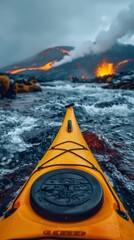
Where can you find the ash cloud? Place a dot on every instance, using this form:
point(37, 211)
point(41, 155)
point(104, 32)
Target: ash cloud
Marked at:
point(122, 25)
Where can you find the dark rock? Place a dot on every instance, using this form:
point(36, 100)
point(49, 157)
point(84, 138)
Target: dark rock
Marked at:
point(97, 145)
point(9, 87)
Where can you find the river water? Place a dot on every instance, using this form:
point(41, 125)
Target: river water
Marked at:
point(29, 122)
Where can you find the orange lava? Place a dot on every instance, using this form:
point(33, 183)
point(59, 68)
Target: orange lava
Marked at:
point(45, 67)
point(64, 51)
point(122, 62)
point(84, 77)
point(108, 68)
point(105, 68)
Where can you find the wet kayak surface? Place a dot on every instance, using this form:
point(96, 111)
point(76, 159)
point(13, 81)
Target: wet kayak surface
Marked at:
point(29, 123)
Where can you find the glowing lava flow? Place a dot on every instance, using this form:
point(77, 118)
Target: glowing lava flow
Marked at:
point(105, 68)
point(108, 68)
point(122, 62)
point(64, 51)
point(84, 77)
point(45, 67)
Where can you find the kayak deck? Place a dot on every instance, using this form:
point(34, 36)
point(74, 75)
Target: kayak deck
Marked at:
point(67, 195)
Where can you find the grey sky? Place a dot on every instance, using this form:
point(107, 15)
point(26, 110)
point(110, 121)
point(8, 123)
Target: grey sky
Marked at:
point(30, 26)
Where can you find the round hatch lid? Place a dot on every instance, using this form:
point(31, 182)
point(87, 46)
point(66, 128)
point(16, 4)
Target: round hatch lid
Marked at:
point(66, 195)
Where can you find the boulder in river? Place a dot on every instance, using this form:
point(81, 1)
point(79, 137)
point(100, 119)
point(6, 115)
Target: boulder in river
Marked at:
point(4, 85)
point(29, 86)
point(10, 87)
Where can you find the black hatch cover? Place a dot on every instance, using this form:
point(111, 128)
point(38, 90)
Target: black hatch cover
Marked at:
point(66, 195)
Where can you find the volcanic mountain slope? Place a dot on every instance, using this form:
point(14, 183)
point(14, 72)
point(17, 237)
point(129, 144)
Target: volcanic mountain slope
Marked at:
point(118, 58)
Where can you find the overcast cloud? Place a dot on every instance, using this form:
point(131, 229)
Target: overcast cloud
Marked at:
point(30, 26)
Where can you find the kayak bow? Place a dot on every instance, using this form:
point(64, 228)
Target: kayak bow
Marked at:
point(67, 196)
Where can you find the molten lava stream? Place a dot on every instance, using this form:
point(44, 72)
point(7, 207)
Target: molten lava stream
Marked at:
point(45, 67)
point(105, 68)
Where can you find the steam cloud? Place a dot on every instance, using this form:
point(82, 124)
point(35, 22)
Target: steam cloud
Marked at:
point(123, 25)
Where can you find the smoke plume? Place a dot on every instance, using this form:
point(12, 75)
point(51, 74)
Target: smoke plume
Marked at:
point(122, 25)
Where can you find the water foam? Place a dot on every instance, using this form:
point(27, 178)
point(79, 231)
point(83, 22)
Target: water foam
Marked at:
point(116, 110)
point(18, 125)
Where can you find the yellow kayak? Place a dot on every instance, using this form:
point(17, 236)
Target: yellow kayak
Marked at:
point(67, 196)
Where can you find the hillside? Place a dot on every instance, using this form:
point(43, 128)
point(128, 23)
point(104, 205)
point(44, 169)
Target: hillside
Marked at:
point(121, 58)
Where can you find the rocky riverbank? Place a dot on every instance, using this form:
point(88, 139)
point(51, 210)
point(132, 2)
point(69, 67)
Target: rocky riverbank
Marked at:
point(10, 86)
point(122, 80)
